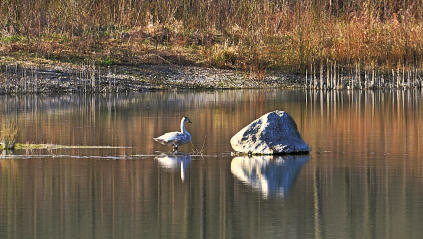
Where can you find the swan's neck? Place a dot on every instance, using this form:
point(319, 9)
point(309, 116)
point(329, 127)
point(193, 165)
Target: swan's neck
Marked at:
point(183, 129)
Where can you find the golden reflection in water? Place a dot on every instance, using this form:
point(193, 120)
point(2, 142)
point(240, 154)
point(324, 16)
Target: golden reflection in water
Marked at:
point(364, 178)
point(368, 154)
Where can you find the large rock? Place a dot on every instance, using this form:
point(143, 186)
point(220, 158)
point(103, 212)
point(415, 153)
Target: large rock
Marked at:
point(272, 133)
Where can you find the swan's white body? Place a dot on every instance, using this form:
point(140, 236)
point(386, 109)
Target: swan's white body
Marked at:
point(176, 138)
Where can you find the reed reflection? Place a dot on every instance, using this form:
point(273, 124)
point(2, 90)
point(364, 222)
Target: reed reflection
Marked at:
point(363, 179)
point(271, 175)
point(5, 152)
point(175, 162)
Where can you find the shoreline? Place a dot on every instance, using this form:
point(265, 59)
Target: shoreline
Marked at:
point(29, 78)
point(55, 78)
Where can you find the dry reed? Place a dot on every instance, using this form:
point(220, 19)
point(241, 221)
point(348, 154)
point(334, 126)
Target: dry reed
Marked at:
point(253, 35)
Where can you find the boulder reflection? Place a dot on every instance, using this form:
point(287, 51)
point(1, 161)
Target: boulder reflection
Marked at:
point(175, 162)
point(272, 175)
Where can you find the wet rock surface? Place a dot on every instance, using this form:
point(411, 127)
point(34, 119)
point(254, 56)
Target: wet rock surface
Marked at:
point(273, 133)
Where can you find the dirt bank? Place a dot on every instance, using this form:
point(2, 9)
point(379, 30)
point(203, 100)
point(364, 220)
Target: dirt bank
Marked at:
point(26, 77)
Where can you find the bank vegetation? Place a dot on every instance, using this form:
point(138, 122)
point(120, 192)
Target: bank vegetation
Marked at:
point(249, 35)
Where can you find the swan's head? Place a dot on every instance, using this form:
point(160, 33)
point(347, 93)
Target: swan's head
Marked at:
point(186, 120)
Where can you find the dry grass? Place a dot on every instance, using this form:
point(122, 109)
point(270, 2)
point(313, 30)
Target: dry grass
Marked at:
point(251, 35)
point(199, 151)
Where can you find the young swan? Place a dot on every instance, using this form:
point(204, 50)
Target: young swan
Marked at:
point(176, 138)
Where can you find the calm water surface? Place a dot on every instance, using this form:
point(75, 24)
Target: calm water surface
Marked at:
point(363, 178)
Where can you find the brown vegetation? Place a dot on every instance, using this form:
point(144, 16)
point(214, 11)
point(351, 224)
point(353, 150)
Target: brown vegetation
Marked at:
point(8, 135)
point(252, 35)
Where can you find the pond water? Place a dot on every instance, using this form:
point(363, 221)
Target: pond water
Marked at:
point(362, 179)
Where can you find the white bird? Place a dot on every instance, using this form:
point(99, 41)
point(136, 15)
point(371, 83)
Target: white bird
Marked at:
point(176, 138)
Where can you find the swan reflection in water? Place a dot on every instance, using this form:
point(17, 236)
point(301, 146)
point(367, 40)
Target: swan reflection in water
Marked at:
point(272, 175)
point(174, 162)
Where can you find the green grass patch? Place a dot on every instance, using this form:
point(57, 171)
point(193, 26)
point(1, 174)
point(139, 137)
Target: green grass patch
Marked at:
point(107, 62)
point(11, 39)
point(20, 146)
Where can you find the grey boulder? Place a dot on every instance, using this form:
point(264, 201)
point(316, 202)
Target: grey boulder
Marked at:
point(273, 133)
